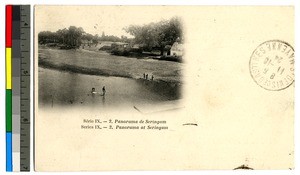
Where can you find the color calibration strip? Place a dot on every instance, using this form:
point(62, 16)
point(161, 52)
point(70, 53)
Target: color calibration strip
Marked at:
point(8, 56)
point(17, 88)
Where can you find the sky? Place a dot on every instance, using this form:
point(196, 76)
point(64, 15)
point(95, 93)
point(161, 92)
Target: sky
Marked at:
point(97, 19)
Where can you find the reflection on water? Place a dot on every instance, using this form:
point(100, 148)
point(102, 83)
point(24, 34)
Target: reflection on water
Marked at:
point(72, 89)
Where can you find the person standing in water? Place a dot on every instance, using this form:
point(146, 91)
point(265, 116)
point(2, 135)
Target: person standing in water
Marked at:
point(103, 90)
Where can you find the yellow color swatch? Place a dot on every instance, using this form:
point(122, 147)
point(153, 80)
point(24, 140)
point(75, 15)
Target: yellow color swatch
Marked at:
point(8, 68)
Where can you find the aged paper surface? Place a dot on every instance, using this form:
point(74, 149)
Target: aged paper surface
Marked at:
point(234, 108)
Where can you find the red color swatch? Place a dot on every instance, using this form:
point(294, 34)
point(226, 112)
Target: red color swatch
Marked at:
point(8, 41)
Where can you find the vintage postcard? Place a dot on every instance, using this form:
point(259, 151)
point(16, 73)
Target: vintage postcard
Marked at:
point(163, 88)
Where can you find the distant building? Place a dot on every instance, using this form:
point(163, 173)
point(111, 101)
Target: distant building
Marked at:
point(119, 45)
point(86, 43)
point(108, 45)
point(137, 46)
point(176, 49)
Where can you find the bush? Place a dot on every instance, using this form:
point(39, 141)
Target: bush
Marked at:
point(120, 51)
point(105, 48)
point(136, 50)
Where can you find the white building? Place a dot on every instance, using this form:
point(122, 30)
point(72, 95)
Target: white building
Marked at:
point(176, 49)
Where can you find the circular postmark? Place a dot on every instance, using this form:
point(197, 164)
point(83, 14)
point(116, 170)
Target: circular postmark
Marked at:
point(272, 65)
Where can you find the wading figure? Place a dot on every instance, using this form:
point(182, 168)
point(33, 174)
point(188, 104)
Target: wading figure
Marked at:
point(103, 90)
point(93, 91)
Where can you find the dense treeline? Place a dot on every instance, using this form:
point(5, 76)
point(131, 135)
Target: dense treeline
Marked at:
point(73, 37)
point(69, 38)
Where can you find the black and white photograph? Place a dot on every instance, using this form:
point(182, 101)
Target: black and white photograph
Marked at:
point(96, 59)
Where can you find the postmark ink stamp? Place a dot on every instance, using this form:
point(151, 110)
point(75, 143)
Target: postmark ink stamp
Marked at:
point(272, 65)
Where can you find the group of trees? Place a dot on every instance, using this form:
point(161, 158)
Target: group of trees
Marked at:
point(73, 37)
point(159, 35)
point(70, 37)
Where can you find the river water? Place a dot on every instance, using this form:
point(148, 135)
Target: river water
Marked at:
point(60, 88)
